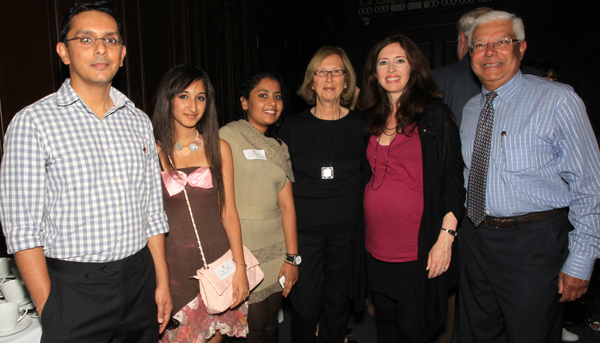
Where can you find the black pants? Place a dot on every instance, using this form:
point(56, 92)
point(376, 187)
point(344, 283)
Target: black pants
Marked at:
point(393, 291)
point(509, 281)
point(101, 302)
point(321, 293)
point(396, 322)
point(262, 320)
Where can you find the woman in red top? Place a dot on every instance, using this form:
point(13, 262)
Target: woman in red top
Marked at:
point(415, 196)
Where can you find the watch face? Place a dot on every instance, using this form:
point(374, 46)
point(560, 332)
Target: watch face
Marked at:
point(298, 259)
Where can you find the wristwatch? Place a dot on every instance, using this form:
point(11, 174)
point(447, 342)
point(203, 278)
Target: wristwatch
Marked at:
point(294, 260)
point(452, 232)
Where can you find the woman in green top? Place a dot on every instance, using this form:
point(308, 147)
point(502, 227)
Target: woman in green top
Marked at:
point(263, 193)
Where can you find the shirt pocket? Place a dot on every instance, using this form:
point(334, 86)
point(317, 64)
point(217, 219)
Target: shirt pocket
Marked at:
point(133, 158)
point(524, 153)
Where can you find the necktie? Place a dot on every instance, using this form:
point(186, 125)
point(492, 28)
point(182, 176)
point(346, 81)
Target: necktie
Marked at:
point(480, 162)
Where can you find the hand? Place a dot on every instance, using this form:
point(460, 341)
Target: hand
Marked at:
point(240, 286)
point(164, 303)
point(571, 287)
point(291, 277)
point(440, 254)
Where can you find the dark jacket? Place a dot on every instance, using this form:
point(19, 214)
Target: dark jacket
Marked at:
point(443, 192)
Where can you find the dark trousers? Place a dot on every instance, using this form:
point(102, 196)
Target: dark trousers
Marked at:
point(321, 293)
point(509, 281)
point(396, 322)
point(101, 302)
point(262, 320)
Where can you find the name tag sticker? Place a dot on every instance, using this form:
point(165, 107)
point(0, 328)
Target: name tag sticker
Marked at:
point(252, 154)
point(225, 269)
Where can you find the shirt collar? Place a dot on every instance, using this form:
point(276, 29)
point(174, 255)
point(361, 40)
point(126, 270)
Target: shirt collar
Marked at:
point(507, 90)
point(66, 96)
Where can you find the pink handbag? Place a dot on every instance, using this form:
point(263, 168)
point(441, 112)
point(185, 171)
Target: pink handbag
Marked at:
point(217, 294)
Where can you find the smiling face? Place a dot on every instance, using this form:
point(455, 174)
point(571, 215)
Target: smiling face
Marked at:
point(95, 65)
point(329, 88)
point(188, 106)
point(264, 105)
point(393, 70)
point(496, 66)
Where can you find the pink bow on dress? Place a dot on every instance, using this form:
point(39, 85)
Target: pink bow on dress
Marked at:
point(200, 177)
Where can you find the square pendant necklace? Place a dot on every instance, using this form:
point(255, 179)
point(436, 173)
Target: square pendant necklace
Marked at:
point(327, 172)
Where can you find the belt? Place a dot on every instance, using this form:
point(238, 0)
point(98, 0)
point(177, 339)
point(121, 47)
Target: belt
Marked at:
point(504, 222)
point(85, 267)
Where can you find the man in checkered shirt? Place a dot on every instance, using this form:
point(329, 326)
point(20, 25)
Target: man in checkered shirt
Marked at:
point(80, 196)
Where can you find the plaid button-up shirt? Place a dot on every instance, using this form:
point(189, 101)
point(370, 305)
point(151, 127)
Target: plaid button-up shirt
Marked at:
point(86, 189)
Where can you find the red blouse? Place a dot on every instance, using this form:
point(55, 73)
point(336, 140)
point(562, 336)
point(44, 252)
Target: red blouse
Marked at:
point(393, 209)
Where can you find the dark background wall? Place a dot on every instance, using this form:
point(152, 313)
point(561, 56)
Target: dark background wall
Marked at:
point(229, 38)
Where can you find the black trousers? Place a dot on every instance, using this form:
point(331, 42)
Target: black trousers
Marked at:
point(101, 302)
point(262, 320)
point(509, 281)
point(321, 293)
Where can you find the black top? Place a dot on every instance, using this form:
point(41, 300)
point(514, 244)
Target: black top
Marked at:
point(315, 143)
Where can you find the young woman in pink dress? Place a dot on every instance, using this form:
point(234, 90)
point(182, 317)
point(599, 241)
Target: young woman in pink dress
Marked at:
point(193, 157)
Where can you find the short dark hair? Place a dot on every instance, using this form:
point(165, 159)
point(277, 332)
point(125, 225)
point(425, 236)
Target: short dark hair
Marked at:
point(79, 7)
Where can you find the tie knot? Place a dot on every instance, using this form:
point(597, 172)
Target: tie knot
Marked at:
point(490, 96)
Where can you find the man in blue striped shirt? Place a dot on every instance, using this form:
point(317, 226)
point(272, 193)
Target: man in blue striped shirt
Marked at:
point(80, 197)
point(543, 180)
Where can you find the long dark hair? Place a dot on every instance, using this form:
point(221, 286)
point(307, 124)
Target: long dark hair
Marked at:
point(420, 91)
point(249, 83)
point(174, 82)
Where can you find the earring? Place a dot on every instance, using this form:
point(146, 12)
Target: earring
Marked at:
point(345, 86)
point(313, 88)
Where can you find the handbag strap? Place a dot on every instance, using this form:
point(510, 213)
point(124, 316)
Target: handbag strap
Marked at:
point(187, 200)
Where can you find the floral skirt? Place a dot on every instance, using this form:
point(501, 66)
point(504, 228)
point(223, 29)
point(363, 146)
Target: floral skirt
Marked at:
point(197, 326)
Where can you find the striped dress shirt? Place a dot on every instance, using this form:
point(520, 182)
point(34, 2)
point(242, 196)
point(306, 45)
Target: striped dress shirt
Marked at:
point(85, 189)
point(544, 155)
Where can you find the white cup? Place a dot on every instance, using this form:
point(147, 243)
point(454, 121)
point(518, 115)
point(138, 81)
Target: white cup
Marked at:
point(10, 315)
point(16, 272)
point(5, 266)
point(13, 291)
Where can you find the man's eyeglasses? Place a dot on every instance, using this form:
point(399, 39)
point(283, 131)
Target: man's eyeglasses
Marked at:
point(499, 45)
point(335, 72)
point(88, 41)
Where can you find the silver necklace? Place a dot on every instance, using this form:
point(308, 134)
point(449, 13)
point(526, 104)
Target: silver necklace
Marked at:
point(198, 142)
point(327, 172)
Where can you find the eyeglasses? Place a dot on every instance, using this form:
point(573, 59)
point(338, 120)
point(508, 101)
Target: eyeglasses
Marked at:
point(88, 41)
point(499, 45)
point(335, 72)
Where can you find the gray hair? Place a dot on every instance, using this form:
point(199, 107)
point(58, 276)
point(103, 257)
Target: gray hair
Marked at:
point(466, 21)
point(517, 23)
